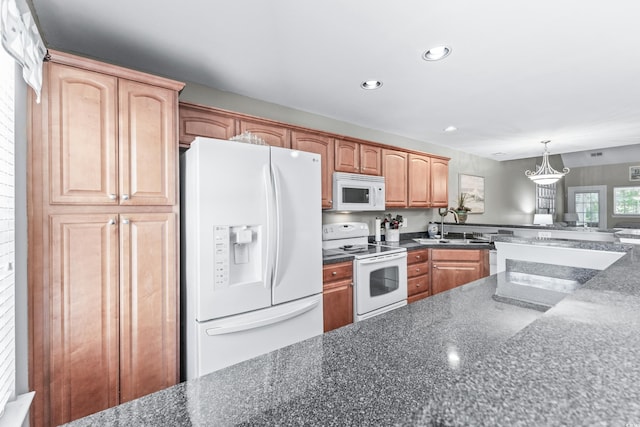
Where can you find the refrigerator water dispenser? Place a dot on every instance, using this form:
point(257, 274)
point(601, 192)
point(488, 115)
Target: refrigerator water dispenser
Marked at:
point(237, 256)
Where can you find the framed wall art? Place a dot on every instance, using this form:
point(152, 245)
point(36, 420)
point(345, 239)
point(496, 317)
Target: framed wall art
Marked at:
point(472, 187)
point(634, 173)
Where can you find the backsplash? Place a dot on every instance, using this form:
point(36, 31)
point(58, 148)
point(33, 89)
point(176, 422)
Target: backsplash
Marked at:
point(416, 219)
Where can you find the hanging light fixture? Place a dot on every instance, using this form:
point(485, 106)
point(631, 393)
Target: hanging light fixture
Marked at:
point(546, 174)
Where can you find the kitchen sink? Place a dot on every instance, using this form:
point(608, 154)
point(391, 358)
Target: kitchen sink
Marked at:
point(451, 241)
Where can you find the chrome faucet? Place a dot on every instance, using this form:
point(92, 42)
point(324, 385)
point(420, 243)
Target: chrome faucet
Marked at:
point(444, 212)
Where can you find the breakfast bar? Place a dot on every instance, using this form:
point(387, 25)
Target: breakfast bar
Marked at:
point(461, 357)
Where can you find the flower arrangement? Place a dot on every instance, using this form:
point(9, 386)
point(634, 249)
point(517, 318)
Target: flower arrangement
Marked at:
point(461, 207)
point(391, 222)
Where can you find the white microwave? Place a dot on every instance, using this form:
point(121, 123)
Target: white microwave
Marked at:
point(357, 192)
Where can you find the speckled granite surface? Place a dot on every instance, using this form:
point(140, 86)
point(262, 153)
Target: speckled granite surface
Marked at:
point(457, 358)
point(375, 372)
point(579, 244)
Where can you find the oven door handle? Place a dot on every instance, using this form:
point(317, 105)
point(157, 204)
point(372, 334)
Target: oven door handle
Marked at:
point(382, 258)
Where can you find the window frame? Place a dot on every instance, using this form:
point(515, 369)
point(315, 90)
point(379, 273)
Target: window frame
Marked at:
point(613, 195)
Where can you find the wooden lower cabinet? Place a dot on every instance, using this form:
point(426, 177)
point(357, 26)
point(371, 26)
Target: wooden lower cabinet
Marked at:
point(112, 310)
point(337, 295)
point(418, 275)
point(451, 268)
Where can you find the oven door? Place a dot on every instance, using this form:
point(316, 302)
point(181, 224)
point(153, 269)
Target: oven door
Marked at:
point(379, 282)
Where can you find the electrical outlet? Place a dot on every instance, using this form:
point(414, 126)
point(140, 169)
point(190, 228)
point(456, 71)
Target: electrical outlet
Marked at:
point(404, 222)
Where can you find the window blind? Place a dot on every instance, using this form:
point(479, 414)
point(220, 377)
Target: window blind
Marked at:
point(7, 230)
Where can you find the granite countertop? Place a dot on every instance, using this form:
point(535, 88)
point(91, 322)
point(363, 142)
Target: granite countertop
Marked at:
point(457, 358)
point(568, 243)
point(407, 242)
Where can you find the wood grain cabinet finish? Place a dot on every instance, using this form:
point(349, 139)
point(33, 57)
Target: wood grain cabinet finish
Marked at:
point(201, 121)
point(394, 169)
point(451, 268)
point(337, 295)
point(418, 275)
point(86, 109)
point(276, 136)
point(322, 145)
point(354, 157)
point(419, 181)
point(439, 182)
point(103, 238)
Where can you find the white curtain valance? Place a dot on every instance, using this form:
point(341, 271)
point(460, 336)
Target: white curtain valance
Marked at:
point(21, 39)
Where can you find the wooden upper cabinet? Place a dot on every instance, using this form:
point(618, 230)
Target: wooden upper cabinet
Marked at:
point(354, 157)
point(201, 121)
point(323, 145)
point(439, 182)
point(148, 152)
point(276, 136)
point(419, 180)
point(394, 169)
point(148, 339)
point(82, 146)
point(370, 159)
point(113, 141)
point(347, 156)
point(82, 316)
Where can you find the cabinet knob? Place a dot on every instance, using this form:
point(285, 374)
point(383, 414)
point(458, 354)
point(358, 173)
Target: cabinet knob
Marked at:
point(125, 221)
point(417, 285)
point(417, 256)
point(417, 270)
point(111, 221)
point(112, 196)
point(125, 197)
point(334, 273)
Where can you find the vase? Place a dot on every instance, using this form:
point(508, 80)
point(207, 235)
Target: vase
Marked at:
point(392, 235)
point(462, 216)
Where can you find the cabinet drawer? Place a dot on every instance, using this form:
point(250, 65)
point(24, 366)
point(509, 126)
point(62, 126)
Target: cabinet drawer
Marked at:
point(339, 271)
point(417, 297)
point(418, 284)
point(420, 255)
point(456, 254)
point(414, 270)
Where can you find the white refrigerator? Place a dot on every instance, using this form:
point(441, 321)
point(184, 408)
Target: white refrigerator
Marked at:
point(252, 268)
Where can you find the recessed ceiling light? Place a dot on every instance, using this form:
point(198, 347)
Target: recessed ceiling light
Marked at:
point(450, 129)
point(499, 153)
point(371, 84)
point(436, 53)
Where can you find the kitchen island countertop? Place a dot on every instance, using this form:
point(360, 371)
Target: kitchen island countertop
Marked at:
point(457, 358)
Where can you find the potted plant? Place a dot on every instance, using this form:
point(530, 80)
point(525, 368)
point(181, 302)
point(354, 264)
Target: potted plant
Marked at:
point(392, 227)
point(461, 210)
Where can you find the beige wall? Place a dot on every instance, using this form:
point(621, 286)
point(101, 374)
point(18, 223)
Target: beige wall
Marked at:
point(509, 194)
point(609, 175)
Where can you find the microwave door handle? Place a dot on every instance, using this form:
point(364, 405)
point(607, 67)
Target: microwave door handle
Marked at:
point(374, 201)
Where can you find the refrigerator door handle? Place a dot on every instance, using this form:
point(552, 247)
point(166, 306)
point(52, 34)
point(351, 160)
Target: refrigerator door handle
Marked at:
point(244, 325)
point(271, 240)
point(278, 227)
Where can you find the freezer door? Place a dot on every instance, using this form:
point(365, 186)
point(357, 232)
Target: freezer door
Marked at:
point(298, 262)
point(224, 342)
point(227, 228)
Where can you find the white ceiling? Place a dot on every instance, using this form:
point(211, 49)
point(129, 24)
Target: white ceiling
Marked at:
point(519, 73)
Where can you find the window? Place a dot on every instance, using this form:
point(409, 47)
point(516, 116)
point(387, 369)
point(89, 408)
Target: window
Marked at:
point(626, 201)
point(590, 203)
point(7, 230)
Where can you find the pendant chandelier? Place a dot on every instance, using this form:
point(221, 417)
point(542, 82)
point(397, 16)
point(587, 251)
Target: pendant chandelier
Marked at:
point(545, 174)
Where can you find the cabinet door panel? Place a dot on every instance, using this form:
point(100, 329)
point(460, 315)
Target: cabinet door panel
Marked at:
point(370, 160)
point(148, 149)
point(83, 315)
point(337, 300)
point(148, 304)
point(347, 156)
point(321, 145)
point(419, 181)
point(394, 169)
point(276, 136)
point(448, 275)
point(439, 183)
point(83, 138)
point(198, 122)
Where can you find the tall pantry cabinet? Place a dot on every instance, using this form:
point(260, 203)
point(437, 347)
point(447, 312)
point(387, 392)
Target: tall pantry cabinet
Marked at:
point(103, 238)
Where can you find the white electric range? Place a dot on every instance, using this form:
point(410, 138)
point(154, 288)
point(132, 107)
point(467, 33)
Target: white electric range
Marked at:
point(379, 270)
